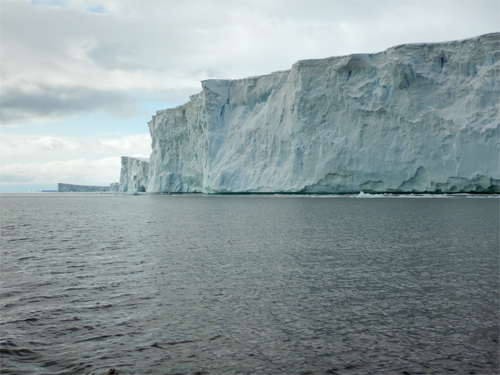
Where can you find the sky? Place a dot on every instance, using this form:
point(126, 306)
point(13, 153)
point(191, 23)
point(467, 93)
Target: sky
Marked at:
point(80, 79)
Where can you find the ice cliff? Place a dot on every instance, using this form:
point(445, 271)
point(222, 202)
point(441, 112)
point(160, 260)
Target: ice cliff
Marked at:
point(134, 174)
point(414, 118)
point(66, 188)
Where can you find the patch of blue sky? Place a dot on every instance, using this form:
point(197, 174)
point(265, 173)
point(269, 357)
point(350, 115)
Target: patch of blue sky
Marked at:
point(98, 9)
point(26, 188)
point(59, 3)
point(95, 124)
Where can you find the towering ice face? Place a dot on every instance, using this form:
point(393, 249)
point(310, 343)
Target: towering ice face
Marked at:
point(134, 174)
point(415, 118)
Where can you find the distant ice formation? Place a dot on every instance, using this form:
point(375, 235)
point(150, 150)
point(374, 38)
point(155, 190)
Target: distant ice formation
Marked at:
point(134, 174)
point(414, 118)
point(65, 188)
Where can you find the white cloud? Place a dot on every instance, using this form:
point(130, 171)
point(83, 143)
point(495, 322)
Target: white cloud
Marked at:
point(76, 171)
point(85, 160)
point(19, 146)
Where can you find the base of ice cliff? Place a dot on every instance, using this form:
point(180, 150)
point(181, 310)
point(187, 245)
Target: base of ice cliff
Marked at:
point(414, 118)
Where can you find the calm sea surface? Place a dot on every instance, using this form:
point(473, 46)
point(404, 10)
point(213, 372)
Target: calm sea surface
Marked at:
point(248, 284)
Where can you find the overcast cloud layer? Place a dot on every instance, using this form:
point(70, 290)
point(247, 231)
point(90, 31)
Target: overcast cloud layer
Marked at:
point(82, 160)
point(70, 58)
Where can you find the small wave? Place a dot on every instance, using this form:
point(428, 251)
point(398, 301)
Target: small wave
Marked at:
point(19, 352)
point(28, 258)
point(18, 359)
point(20, 239)
point(11, 293)
point(97, 338)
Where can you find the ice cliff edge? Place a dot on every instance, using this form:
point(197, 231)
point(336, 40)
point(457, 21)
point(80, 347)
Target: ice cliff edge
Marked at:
point(414, 118)
point(134, 174)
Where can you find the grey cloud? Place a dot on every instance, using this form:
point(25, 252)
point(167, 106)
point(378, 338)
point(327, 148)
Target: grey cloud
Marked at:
point(54, 103)
point(161, 47)
point(114, 55)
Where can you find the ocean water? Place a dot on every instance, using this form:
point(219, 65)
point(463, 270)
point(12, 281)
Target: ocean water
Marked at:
point(157, 284)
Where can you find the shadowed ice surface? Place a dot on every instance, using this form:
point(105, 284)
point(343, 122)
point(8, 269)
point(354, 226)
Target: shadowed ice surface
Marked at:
point(248, 285)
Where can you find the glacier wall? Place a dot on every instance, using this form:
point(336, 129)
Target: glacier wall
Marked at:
point(414, 118)
point(66, 188)
point(134, 174)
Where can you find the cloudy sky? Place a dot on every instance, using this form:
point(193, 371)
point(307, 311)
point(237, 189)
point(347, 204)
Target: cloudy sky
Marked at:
point(80, 79)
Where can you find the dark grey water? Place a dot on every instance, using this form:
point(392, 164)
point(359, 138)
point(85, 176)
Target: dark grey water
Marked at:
point(248, 285)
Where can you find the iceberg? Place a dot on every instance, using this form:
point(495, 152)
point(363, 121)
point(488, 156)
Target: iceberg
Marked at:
point(416, 118)
point(72, 188)
point(134, 174)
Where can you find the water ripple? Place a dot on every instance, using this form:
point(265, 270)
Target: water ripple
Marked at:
point(249, 285)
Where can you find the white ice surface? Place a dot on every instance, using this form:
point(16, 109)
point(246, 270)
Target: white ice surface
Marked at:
point(134, 174)
point(414, 118)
